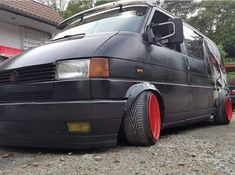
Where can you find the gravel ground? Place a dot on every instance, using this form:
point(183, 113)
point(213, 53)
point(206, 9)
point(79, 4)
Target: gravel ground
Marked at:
point(198, 149)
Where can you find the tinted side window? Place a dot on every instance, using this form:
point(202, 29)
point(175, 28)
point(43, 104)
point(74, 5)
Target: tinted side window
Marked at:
point(193, 43)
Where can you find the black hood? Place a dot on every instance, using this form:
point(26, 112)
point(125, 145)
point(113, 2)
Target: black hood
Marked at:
point(75, 47)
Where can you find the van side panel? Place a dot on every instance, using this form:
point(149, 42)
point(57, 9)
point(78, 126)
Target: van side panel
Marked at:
point(200, 87)
point(165, 68)
point(169, 73)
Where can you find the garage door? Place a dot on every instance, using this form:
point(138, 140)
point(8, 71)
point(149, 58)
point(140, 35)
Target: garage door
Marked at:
point(33, 38)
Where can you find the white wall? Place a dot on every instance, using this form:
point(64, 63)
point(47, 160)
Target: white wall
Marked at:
point(10, 35)
point(33, 38)
point(21, 37)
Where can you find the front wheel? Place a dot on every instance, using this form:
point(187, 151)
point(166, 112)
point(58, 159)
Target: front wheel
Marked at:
point(142, 121)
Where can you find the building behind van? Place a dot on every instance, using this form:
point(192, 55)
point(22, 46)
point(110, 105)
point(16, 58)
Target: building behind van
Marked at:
point(25, 24)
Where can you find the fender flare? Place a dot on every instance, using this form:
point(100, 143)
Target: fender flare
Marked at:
point(137, 89)
point(222, 94)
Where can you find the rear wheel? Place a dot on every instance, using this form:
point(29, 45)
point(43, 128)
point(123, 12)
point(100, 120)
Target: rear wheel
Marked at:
point(142, 121)
point(224, 112)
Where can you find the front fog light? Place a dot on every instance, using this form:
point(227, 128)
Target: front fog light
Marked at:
point(79, 127)
point(72, 69)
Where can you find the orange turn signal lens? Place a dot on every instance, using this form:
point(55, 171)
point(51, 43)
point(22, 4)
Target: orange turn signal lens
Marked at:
point(99, 68)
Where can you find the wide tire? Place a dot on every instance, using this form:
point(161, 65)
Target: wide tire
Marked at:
point(142, 121)
point(224, 111)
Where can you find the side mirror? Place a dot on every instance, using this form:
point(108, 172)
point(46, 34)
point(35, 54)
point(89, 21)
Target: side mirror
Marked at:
point(178, 37)
point(172, 30)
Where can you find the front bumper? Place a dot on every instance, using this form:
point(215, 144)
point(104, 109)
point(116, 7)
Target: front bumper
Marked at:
point(43, 124)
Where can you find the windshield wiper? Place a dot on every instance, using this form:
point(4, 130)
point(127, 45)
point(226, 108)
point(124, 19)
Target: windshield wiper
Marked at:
point(80, 35)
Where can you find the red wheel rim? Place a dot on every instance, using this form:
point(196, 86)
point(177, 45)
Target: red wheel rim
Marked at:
point(154, 117)
point(228, 108)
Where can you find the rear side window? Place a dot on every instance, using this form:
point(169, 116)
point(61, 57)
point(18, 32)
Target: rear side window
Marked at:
point(193, 43)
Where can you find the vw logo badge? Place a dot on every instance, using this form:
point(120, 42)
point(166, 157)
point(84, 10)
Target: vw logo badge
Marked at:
point(14, 77)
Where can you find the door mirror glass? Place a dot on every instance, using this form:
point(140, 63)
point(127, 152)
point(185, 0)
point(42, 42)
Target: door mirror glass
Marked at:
point(171, 30)
point(165, 29)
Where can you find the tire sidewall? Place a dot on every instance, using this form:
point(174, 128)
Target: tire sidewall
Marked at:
point(221, 115)
point(136, 122)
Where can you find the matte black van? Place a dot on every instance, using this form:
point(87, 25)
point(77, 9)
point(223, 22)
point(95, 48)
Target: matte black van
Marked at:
point(125, 69)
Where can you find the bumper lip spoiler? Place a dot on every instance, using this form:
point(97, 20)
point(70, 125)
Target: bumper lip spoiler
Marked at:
point(61, 142)
point(43, 124)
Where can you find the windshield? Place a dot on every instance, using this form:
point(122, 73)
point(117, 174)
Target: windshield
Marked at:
point(128, 19)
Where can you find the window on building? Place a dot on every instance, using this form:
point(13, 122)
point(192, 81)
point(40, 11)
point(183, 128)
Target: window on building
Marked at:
point(33, 38)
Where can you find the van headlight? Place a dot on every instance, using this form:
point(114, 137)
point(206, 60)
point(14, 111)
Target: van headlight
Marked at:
point(82, 68)
point(70, 69)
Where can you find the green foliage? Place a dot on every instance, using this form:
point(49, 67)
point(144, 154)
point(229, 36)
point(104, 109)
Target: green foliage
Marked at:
point(224, 55)
point(180, 8)
point(100, 2)
point(76, 6)
point(222, 52)
point(230, 75)
point(216, 19)
point(58, 5)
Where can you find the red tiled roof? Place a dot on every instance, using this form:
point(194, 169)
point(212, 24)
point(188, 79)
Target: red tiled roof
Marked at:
point(33, 10)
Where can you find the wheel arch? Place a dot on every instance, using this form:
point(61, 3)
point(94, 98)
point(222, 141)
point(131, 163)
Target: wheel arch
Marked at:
point(136, 89)
point(223, 113)
point(222, 94)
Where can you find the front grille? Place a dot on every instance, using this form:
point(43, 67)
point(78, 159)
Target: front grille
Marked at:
point(26, 96)
point(30, 74)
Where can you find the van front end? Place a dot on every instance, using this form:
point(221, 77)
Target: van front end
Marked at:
point(63, 94)
point(51, 106)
